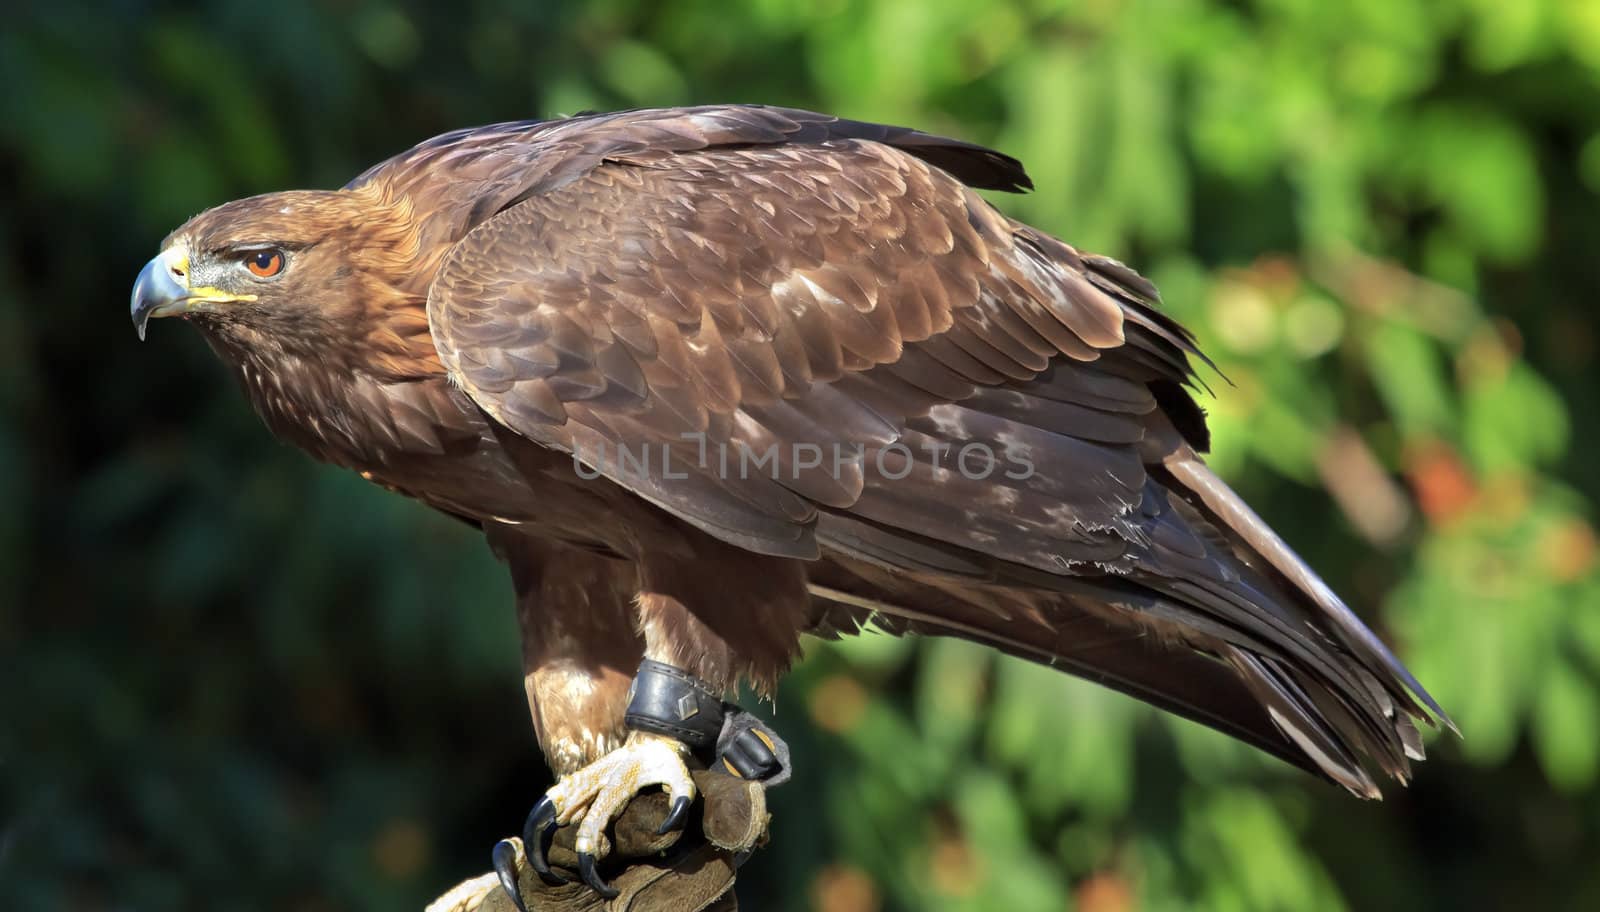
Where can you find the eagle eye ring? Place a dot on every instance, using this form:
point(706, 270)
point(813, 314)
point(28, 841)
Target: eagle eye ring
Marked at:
point(264, 264)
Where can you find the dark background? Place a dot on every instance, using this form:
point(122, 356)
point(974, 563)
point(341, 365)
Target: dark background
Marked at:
point(233, 679)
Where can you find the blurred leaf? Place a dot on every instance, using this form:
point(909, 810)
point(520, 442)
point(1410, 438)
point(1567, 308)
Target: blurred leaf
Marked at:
point(642, 75)
point(994, 823)
point(1481, 169)
point(1410, 377)
point(1563, 724)
point(1260, 863)
point(1514, 422)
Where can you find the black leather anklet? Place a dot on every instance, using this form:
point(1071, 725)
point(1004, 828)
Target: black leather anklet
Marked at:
point(669, 701)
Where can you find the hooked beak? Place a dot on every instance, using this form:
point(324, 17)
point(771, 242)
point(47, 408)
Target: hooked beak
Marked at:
point(163, 290)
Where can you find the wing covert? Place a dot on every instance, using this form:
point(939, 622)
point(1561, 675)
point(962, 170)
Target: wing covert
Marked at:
point(782, 300)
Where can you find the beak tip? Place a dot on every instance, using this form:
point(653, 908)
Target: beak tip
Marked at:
point(141, 318)
point(154, 294)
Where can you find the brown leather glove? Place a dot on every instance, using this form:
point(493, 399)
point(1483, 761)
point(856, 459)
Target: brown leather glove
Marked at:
point(692, 870)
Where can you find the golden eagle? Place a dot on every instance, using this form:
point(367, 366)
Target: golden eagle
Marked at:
point(712, 378)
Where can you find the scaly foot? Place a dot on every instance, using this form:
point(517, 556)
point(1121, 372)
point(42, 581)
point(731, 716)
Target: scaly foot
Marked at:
point(598, 793)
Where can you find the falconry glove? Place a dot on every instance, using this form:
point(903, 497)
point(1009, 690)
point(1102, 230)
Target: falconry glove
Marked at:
point(692, 870)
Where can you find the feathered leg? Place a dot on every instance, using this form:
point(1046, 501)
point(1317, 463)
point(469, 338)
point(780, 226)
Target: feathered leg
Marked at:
point(702, 625)
point(579, 652)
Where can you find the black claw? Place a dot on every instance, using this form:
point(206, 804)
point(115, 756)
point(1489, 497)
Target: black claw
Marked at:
point(537, 831)
point(587, 872)
point(505, 866)
point(675, 817)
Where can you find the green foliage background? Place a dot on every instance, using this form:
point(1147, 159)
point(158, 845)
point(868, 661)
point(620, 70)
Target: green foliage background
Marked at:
point(232, 679)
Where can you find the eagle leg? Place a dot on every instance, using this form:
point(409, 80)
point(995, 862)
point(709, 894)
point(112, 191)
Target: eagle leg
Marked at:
point(583, 616)
point(671, 717)
point(670, 714)
point(593, 796)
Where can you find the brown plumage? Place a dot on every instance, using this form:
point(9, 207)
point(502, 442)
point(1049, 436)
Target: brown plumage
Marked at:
point(501, 321)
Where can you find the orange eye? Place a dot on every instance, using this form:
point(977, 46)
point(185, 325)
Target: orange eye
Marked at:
point(264, 264)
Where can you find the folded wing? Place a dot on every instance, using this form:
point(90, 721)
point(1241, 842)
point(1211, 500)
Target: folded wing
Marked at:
point(812, 338)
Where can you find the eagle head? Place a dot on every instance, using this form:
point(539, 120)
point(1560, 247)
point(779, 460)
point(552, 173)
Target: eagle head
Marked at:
point(325, 276)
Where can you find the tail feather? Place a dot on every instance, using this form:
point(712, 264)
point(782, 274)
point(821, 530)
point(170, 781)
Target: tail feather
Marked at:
point(1193, 622)
point(1177, 680)
point(1297, 718)
point(1252, 533)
